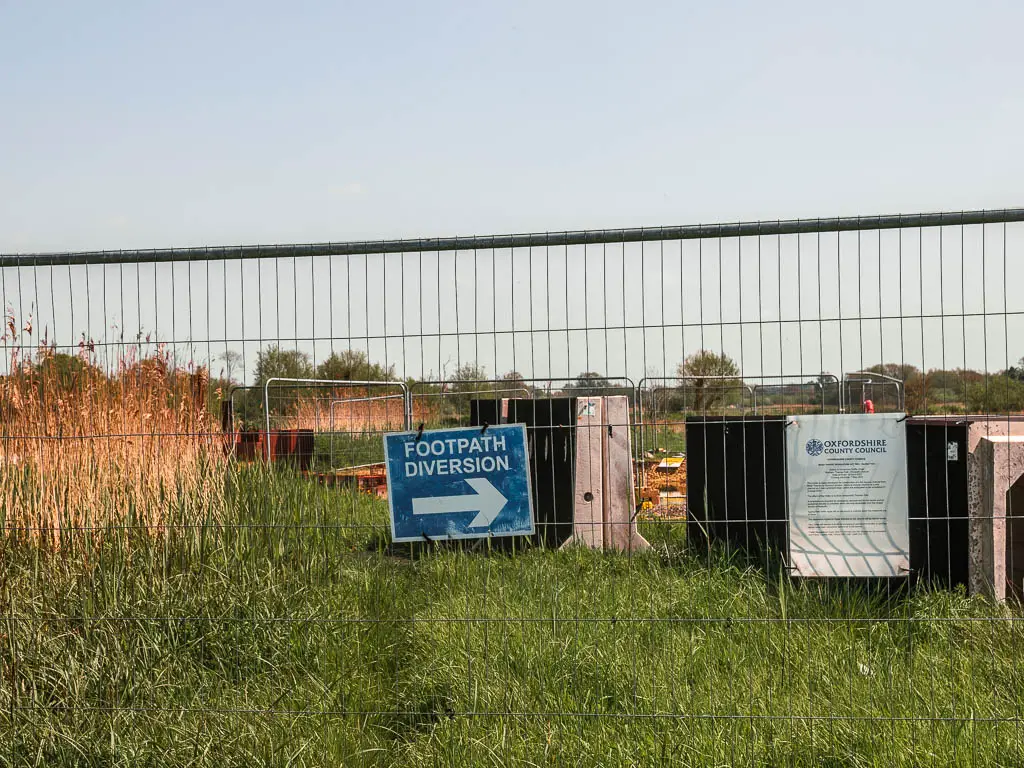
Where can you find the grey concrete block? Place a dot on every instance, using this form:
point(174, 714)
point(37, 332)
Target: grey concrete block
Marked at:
point(996, 549)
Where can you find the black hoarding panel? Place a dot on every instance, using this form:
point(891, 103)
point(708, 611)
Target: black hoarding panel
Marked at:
point(937, 496)
point(550, 430)
point(736, 490)
point(736, 483)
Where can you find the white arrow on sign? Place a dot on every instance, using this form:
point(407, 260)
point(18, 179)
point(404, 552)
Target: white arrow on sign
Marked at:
point(487, 502)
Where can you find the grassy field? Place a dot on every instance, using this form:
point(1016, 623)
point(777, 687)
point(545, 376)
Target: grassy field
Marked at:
point(281, 630)
point(665, 438)
point(344, 449)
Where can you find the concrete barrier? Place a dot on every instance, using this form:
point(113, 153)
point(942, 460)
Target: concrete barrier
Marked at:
point(996, 526)
point(603, 511)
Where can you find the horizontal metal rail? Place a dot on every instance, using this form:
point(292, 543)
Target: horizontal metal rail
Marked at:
point(529, 240)
point(522, 390)
point(607, 383)
point(329, 383)
point(885, 379)
point(652, 384)
point(403, 396)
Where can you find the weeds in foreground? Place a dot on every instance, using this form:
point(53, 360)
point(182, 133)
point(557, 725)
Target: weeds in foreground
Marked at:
point(284, 632)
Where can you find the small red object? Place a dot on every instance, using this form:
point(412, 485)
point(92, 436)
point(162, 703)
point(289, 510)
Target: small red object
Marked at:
point(869, 407)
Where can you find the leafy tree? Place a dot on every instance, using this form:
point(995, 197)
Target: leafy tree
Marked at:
point(66, 371)
point(469, 372)
point(353, 365)
point(954, 379)
point(825, 391)
point(997, 393)
point(469, 377)
point(901, 371)
point(274, 362)
point(882, 392)
point(590, 384)
point(467, 382)
point(1016, 372)
point(713, 378)
point(945, 390)
point(513, 384)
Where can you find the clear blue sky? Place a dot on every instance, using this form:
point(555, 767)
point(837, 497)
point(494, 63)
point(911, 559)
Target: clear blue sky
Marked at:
point(172, 124)
point(150, 124)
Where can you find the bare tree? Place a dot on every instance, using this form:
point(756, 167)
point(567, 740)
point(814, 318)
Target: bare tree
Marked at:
point(232, 360)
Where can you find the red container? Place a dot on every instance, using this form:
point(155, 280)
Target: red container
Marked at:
point(249, 446)
point(292, 445)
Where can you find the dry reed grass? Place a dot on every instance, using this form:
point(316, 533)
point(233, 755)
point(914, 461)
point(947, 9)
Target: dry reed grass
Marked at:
point(84, 450)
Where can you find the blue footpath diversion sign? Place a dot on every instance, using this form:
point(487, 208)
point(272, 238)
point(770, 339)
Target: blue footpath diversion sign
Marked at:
point(462, 483)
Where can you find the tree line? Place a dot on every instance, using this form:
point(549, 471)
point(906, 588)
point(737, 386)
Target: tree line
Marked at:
point(703, 381)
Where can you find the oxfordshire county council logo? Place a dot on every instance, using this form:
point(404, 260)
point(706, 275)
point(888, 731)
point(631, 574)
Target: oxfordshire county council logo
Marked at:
point(815, 447)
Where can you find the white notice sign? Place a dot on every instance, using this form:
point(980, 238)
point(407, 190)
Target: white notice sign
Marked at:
point(847, 478)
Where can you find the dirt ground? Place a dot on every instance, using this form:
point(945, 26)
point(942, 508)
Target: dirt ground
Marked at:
point(663, 480)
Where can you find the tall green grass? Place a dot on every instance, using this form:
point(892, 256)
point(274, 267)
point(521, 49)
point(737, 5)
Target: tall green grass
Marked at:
point(288, 632)
point(347, 449)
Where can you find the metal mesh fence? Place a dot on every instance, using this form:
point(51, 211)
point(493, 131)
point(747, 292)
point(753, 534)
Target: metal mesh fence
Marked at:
point(196, 565)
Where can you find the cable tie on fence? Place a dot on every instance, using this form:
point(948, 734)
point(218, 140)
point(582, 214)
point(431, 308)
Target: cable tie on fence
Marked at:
point(486, 425)
point(426, 538)
point(419, 433)
point(610, 434)
point(905, 417)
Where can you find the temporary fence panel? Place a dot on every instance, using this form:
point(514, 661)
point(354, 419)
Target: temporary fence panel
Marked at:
point(165, 601)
